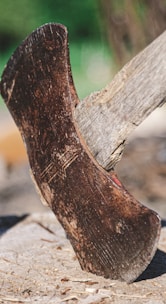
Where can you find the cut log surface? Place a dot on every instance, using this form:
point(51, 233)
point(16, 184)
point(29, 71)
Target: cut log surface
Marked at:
point(107, 118)
point(38, 265)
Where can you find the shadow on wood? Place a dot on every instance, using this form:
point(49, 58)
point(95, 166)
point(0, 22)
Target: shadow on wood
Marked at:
point(158, 265)
point(163, 223)
point(7, 222)
point(156, 268)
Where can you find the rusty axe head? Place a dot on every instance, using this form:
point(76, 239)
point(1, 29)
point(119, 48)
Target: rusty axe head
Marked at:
point(112, 234)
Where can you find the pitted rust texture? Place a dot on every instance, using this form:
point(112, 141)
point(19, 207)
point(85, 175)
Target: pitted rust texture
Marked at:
point(112, 234)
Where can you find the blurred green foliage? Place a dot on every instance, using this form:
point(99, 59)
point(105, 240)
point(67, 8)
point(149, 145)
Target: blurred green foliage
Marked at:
point(20, 17)
point(127, 26)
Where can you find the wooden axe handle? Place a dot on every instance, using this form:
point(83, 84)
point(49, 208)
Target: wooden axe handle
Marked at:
point(106, 118)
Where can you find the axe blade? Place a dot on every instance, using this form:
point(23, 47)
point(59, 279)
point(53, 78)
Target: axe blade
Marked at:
point(112, 234)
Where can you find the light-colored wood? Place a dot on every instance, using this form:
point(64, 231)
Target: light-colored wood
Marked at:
point(105, 119)
point(38, 265)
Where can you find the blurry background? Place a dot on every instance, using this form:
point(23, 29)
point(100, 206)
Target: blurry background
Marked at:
point(103, 36)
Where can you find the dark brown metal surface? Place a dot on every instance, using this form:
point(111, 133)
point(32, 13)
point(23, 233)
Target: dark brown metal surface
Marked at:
point(112, 234)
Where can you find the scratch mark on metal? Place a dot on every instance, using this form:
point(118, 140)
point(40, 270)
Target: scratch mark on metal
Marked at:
point(10, 90)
